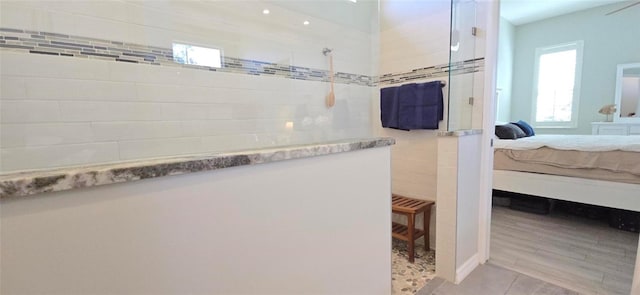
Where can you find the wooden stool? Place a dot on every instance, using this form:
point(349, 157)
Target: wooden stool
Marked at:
point(410, 207)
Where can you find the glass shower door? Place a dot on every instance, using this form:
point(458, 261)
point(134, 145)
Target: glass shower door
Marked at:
point(462, 64)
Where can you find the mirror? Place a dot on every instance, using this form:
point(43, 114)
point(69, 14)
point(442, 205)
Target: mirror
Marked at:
point(627, 93)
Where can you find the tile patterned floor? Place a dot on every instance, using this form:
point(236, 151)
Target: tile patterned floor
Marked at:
point(408, 278)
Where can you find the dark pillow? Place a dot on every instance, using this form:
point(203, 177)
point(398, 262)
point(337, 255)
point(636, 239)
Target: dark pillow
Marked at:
point(528, 130)
point(504, 132)
point(509, 131)
point(519, 132)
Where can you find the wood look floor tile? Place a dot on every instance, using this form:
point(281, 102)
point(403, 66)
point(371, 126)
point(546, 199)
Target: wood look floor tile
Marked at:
point(490, 279)
point(526, 285)
point(572, 252)
point(486, 279)
point(545, 276)
point(523, 243)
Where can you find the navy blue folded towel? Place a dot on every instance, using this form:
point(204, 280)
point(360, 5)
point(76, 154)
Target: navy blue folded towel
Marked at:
point(412, 106)
point(421, 105)
point(389, 107)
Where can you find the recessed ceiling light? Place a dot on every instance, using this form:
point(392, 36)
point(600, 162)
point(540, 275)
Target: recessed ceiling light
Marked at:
point(266, 11)
point(306, 23)
point(354, 1)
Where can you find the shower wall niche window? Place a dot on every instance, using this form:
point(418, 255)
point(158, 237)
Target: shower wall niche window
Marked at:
point(197, 55)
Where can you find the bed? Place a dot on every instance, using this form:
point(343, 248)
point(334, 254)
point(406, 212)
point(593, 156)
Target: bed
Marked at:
point(591, 169)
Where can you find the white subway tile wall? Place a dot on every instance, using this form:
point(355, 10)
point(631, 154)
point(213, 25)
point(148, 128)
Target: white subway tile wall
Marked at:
point(417, 42)
point(136, 149)
point(30, 111)
point(117, 131)
point(59, 155)
point(20, 135)
point(79, 96)
point(152, 120)
point(59, 111)
point(238, 27)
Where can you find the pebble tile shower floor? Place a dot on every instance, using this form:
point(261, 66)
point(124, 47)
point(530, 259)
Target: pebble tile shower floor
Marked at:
point(408, 278)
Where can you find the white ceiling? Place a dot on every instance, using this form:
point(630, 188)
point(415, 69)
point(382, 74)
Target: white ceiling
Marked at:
point(396, 12)
point(520, 12)
point(356, 15)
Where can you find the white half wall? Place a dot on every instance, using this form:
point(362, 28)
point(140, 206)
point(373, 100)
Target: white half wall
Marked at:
point(446, 215)
point(317, 225)
point(468, 201)
point(458, 202)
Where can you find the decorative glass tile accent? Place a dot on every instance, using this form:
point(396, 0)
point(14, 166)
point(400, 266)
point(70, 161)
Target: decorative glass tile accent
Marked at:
point(462, 67)
point(86, 47)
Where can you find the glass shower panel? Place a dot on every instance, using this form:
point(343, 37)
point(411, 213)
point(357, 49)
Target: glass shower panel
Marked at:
point(461, 60)
point(89, 82)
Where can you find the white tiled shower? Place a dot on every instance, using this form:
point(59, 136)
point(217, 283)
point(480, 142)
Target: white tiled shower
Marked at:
point(75, 110)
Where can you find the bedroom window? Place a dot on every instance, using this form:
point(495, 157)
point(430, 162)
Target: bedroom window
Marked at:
point(556, 90)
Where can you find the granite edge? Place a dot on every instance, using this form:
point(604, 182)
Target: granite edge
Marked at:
point(460, 133)
point(22, 184)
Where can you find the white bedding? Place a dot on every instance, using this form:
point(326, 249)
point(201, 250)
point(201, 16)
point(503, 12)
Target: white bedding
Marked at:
point(587, 143)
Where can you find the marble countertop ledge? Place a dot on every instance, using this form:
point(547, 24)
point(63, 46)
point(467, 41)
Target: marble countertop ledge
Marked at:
point(23, 184)
point(460, 133)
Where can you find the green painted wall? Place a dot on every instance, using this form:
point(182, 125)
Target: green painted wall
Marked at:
point(608, 41)
point(505, 70)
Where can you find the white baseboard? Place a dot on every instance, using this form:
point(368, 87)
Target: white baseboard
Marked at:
point(466, 268)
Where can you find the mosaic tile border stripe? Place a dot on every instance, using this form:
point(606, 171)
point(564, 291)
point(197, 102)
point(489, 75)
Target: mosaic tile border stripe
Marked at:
point(36, 42)
point(462, 67)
